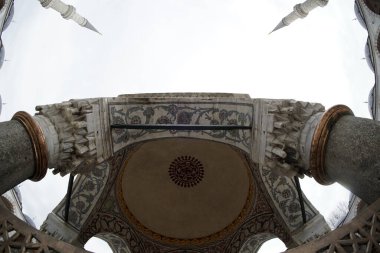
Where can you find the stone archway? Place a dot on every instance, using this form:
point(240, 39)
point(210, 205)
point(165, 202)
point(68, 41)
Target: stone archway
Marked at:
point(254, 243)
point(116, 243)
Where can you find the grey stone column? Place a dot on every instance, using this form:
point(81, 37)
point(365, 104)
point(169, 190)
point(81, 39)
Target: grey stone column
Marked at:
point(353, 156)
point(345, 149)
point(23, 151)
point(16, 155)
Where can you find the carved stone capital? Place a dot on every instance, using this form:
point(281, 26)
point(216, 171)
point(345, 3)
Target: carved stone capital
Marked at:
point(73, 124)
point(278, 133)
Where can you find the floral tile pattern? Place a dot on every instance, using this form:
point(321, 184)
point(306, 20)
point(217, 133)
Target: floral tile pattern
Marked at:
point(184, 113)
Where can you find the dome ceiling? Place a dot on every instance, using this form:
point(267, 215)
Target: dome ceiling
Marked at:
point(185, 188)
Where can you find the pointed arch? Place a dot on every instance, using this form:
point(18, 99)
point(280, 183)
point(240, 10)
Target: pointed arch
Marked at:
point(255, 242)
point(116, 244)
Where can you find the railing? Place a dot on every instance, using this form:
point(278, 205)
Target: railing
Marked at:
point(18, 236)
point(362, 234)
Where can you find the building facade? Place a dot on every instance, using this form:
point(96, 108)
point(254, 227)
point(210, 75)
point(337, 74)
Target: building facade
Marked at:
point(6, 14)
point(190, 172)
point(368, 15)
point(193, 172)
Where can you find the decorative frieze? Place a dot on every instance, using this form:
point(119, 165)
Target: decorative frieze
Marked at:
point(210, 111)
point(86, 192)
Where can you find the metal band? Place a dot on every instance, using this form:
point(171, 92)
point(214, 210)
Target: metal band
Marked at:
point(319, 142)
point(68, 12)
point(301, 13)
point(38, 142)
point(180, 127)
point(45, 3)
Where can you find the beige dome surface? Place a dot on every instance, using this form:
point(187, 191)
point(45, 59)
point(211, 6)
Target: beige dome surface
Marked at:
point(185, 188)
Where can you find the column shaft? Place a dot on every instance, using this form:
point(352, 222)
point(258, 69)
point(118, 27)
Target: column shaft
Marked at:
point(16, 155)
point(352, 156)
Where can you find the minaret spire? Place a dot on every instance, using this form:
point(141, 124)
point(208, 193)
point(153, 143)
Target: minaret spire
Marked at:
point(68, 12)
point(300, 11)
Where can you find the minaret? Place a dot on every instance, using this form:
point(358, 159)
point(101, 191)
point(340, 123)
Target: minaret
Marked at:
point(300, 11)
point(68, 12)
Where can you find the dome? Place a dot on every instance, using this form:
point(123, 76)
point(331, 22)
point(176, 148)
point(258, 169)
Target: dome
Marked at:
point(29, 221)
point(368, 55)
point(18, 193)
point(169, 194)
point(373, 5)
point(2, 53)
point(371, 102)
point(359, 15)
point(1, 104)
point(9, 17)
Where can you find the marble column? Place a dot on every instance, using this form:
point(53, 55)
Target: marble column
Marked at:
point(23, 151)
point(346, 149)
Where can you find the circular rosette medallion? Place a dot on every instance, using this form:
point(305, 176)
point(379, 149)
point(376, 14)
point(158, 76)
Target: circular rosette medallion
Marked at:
point(186, 171)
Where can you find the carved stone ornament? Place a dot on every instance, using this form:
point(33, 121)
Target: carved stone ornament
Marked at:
point(77, 149)
point(279, 127)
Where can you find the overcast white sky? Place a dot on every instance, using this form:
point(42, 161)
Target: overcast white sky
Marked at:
point(182, 46)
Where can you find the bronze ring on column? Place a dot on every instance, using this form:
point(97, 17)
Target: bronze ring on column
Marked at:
point(319, 142)
point(38, 142)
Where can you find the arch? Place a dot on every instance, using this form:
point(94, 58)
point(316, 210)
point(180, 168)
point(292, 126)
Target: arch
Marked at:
point(371, 102)
point(97, 245)
point(273, 245)
point(369, 54)
point(117, 244)
point(254, 243)
point(373, 5)
point(87, 189)
point(2, 53)
point(108, 242)
point(378, 41)
point(359, 15)
point(9, 16)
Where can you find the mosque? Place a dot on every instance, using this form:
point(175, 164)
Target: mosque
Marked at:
point(194, 172)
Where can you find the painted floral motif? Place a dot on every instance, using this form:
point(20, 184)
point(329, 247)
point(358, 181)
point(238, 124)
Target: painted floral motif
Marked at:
point(284, 194)
point(184, 117)
point(87, 190)
point(194, 114)
point(135, 120)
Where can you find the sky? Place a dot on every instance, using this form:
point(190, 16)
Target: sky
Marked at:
point(183, 46)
